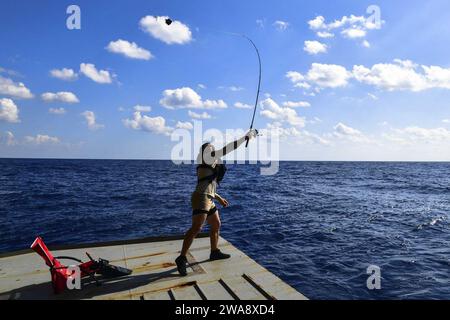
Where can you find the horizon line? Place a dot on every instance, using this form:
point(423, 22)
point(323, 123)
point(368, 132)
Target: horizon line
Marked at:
point(236, 161)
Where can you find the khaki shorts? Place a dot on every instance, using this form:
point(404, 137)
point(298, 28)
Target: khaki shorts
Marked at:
point(202, 204)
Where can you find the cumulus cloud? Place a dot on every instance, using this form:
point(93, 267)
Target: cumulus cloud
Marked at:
point(352, 27)
point(58, 111)
point(9, 111)
point(354, 33)
point(271, 110)
point(345, 132)
point(66, 97)
point(298, 104)
point(64, 74)
point(187, 98)
point(294, 134)
point(199, 116)
point(99, 76)
point(91, 120)
point(315, 47)
point(319, 23)
point(413, 135)
point(241, 105)
point(281, 25)
point(42, 139)
point(14, 89)
point(176, 33)
point(328, 75)
point(129, 49)
point(150, 124)
point(403, 75)
point(294, 76)
point(142, 108)
point(184, 125)
point(325, 34)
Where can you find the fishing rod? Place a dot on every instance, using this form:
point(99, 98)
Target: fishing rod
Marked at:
point(259, 79)
point(169, 22)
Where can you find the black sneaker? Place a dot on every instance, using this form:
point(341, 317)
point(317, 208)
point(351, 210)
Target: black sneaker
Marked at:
point(218, 255)
point(181, 265)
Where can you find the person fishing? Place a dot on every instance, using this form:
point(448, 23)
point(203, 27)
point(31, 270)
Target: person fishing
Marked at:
point(210, 172)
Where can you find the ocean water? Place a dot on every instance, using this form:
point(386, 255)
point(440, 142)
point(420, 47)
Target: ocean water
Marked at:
point(317, 225)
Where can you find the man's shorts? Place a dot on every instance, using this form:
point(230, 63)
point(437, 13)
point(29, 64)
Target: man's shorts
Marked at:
point(202, 204)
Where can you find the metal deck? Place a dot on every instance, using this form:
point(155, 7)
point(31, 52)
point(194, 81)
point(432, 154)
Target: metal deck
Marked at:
point(154, 277)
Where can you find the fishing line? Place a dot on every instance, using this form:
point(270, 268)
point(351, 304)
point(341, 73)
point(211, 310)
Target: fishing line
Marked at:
point(258, 91)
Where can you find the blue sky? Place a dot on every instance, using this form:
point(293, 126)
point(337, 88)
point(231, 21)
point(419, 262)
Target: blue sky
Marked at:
point(336, 85)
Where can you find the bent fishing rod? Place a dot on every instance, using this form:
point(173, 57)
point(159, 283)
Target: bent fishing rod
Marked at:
point(169, 22)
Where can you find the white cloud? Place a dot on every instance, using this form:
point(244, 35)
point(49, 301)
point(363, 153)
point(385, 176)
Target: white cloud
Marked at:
point(437, 77)
point(67, 97)
point(200, 116)
point(58, 111)
point(176, 33)
point(298, 104)
point(345, 132)
point(271, 110)
point(353, 21)
point(446, 121)
point(187, 98)
point(241, 105)
point(413, 135)
point(129, 49)
point(14, 89)
point(184, 125)
point(142, 108)
point(328, 75)
point(317, 23)
point(366, 44)
point(99, 76)
point(281, 25)
point(91, 120)
point(401, 75)
point(235, 88)
point(398, 76)
point(294, 76)
point(9, 112)
point(352, 27)
point(325, 34)
point(303, 85)
point(293, 134)
point(64, 74)
point(354, 33)
point(41, 139)
point(143, 122)
point(201, 86)
point(315, 47)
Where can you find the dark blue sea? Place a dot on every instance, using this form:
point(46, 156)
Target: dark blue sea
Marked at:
point(317, 225)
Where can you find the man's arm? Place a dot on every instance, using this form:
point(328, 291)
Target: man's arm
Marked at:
point(235, 144)
point(221, 200)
